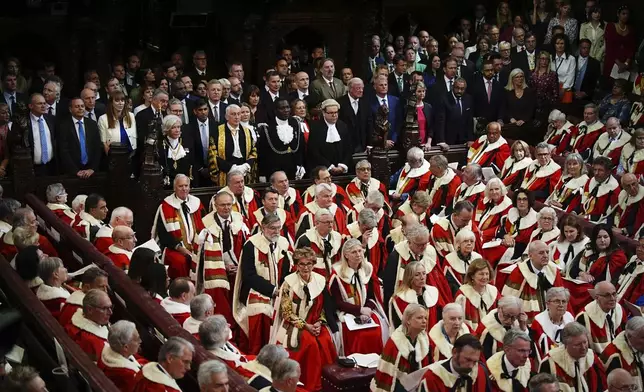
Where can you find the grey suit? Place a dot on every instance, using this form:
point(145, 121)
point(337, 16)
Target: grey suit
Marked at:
point(322, 90)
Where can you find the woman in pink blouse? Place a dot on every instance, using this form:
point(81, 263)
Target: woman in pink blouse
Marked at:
point(425, 117)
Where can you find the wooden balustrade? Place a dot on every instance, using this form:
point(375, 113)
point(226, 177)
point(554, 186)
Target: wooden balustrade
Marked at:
point(38, 337)
point(130, 300)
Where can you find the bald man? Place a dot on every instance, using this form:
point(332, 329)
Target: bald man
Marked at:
point(629, 213)
point(611, 143)
point(491, 149)
point(302, 82)
point(120, 252)
point(603, 317)
point(621, 354)
point(621, 380)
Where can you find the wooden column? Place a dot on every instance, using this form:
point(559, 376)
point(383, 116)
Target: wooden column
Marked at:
point(24, 179)
point(151, 191)
point(120, 185)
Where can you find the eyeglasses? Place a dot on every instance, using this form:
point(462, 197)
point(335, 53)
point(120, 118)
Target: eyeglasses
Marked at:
point(305, 265)
point(628, 388)
point(558, 301)
point(105, 309)
point(608, 295)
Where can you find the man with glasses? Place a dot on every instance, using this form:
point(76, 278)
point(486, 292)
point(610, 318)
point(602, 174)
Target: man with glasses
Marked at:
point(121, 216)
point(175, 360)
point(604, 317)
point(628, 215)
point(531, 279)
point(321, 175)
point(329, 141)
point(324, 241)
point(93, 278)
point(511, 368)
point(323, 200)
point(509, 314)
point(575, 366)
point(89, 328)
point(542, 175)
point(585, 134)
point(629, 287)
point(620, 380)
point(363, 183)
point(601, 192)
point(625, 352)
point(265, 261)
point(444, 231)
point(120, 252)
point(610, 143)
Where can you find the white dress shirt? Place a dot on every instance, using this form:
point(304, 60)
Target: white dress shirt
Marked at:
point(447, 84)
point(302, 94)
point(35, 131)
point(53, 107)
point(565, 66)
point(214, 108)
point(383, 101)
point(354, 104)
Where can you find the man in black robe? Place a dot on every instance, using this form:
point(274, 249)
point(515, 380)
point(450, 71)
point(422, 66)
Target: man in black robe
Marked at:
point(330, 142)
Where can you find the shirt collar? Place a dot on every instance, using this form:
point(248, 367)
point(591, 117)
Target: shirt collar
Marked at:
point(508, 365)
point(281, 122)
point(222, 219)
point(231, 128)
point(352, 100)
point(327, 80)
point(329, 125)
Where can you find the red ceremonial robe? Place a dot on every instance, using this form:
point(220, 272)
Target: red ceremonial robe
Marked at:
point(442, 191)
point(443, 233)
point(489, 154)
point(395, 237)
point(260, 271)
point(545, 334)
point(245, 204)
point(513, 172)
point(472, 193)
point(383, 215)
point(306, 220)
point(9, 251)
point(405, 209)
point(548, 237)
point(596, 322)
point(439, 347)
point(177, 310)
point(216, 281)
point(89, 336)
point(568, 192)
point(520, 228)
point(559, 138)
point(524, 283)
point(53, 298)
point(491, 332)
point(476, 305)
point(562, 253)
point(302, 303)
point(562, 365)
point(288, 224)
point(192, 325)
point(103, 238)
point(498, 368)
point(629, 215)
point(455, 268)
point(357, 191)
point(399, 357)
point(120, 257)
point(620, 354)
point(613, 150)
point(72, 304)
point(411, 180)
point(121, 370)
point(429, 298)
point(63, 212)
point(291, 202)
point(541, 180)
point(584, 137)
point(632, 160)
point(376, 251)
point(4, 228)
point(489, 216)
point(312, 239)
point(87, 226)
point(172, 227)
point(233, 358)
point(441, 378)
point(352, 290)
point(630, 286)
point(154, 378)
point(340, 197)
point(599, 199)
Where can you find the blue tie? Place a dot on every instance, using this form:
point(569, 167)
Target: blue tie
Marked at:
point(44, 156)
point(81, 138)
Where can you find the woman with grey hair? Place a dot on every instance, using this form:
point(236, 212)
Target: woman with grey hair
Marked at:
point(175, 156)
point(547, 230)
point(262, 366)
point(547, 326)
point(492, 208)
point(456, 263)
point(566, 195)
point(214, 335)
point(358, 298)
point(559, 131)
point(52, 292)
point(413, 176)
point(406, 351)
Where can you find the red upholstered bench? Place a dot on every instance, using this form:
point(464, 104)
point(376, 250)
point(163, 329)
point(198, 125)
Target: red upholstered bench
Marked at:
point(338, 378)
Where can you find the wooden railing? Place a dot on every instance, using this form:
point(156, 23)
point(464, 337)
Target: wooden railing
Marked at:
point(130, 300)
point(38, 337)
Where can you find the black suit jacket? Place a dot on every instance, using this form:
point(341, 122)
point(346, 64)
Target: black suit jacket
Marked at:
point(438, 90)
point(309, 99)
point(222, 112)
point(20, 97)
point(590, 77)
point(393, 85)
point(492, 110)
point(191, 135)
point(467, 73)
point(267, 105)
point(360, 125)
point(143, 119)
point(69, 146)
point(520, 60)
point(321, 153)
point(196, 78)
point(454, 127)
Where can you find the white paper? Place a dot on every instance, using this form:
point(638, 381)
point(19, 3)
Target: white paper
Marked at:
point(488, 173)
point(81, 271)
point(150, 244)
point(412, 380)
point(492, 244)
point(16, 354)
point(453, 165)
point(77, 257)
point(615, 74)
point(366, 360)
point(353, 326)
point(434, 218)
point(576, 281)
point(60, 354)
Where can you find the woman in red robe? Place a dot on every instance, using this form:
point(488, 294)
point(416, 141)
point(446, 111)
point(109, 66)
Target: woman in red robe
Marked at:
point(414, 290)
point(406, 351)
point(546, 327)
point(444, 333)
point(300, 323)
point(514, 167)
point(571, 242)
point(559, 131)
point(632, 158)
point(494, 206)
point(416, 207)
point(568, 191)
point(602, 260)
point(357, 296)
point(52, 292)
point(456, 263)
point(477, 296)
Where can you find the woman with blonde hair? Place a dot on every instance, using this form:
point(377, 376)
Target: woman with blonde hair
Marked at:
point(491, 208)
point(357, 297)
point(414, 290)
point(567, 193)
point(545, 82)
point(477, 296)
point(117, 125)
point(521, 101)
point(514, 168)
